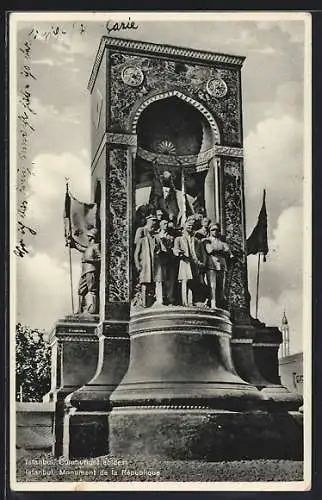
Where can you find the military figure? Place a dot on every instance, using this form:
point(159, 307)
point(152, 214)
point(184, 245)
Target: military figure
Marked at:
point(203, 232)
point(218, 252)
point(168, 263)
point(192, 259)
point(147, 262)
point(89, 281)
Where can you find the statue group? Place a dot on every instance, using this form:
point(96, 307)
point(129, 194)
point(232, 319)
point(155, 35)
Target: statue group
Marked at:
point(181, 266)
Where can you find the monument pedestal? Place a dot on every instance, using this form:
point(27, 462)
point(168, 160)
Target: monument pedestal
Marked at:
point(74, 347)
point(190, 432)
point(255, 356)
point(86, 410)
point(181, 396)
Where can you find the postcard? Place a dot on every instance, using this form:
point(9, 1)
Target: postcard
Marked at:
point(160, 243)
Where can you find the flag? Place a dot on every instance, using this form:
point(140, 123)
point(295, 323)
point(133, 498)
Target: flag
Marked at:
point(79, 218)
point(156, 199)
point(257, 242)
point(171, 204)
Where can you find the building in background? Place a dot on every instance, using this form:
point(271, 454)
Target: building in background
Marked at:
point(290, 365)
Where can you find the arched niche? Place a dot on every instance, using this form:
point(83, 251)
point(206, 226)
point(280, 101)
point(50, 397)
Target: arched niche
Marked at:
point(173, 133)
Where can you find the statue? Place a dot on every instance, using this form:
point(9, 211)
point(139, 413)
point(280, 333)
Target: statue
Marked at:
point(203, 232)
point(192, 258)
point(147, 262)
point(168, 263)
point(89, 281)
point(217, 254)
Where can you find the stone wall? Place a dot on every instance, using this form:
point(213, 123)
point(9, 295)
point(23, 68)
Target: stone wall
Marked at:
point(34, 426)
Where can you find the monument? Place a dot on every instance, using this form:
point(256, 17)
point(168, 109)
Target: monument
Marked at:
point(179, 369)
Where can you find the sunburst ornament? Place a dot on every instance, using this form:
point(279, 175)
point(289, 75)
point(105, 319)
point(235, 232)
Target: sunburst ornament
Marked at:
point(166, 147)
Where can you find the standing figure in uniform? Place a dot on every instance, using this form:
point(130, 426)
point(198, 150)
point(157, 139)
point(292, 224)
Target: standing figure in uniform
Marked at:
point(147, 262)
point(203, 232)
point(168, 262)
point(218, 252)
point(191, 264)
point(89, 281)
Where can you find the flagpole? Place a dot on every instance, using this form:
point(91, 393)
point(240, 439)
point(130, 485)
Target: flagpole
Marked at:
point(183, 219)
point(70, 258)
point(257, 284)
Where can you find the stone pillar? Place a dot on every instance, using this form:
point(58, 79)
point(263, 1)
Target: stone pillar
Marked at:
point(87, 409)
point(266, 344)
point(74, 359)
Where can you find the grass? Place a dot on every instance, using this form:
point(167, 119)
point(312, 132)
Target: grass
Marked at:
point(43, 467)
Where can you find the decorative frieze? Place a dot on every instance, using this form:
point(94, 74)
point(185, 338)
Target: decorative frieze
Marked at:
point(164, 79)
point(155, 49)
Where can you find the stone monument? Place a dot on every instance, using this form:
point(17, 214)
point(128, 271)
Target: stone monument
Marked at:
point(182, 370)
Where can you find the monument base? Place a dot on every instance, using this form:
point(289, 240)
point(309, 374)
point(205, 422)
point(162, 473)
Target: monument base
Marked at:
point(87, 409)
point(85, 434)
point(194, 433)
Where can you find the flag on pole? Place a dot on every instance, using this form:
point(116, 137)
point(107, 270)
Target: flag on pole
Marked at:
point(156, 199)
point(79, 218)
point(257, 241)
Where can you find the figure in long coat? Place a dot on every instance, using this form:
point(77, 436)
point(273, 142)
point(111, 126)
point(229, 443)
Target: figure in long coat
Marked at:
point(218, 252)
point(168, 263)
point(147, 262)
point(192, 265)
point(89, 280)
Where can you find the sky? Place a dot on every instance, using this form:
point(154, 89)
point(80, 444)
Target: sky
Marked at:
point(273, 123)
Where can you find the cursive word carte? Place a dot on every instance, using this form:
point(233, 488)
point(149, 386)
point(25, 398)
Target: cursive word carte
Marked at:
point(120, 26)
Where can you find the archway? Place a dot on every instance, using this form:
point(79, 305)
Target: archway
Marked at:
point(173, 135)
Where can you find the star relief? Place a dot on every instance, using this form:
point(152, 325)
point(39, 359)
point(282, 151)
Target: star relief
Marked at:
point(166, 147)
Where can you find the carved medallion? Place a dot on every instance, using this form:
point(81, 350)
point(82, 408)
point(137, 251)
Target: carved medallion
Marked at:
point(217, 87)
point(133, 76)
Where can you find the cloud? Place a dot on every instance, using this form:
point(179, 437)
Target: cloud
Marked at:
point(266, 50)
point(44, 289)
point(44, 112)
point(47, 185)
point(274, 152)
point(294, 29)
point(44, 62)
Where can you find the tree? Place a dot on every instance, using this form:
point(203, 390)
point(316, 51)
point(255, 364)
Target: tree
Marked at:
point(32, 364)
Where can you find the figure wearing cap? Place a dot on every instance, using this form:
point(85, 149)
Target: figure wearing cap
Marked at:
point(147, 262)
point(89, 281)
point(204, 231)
point(192, 259)
point(168, 262)
point(218, 252)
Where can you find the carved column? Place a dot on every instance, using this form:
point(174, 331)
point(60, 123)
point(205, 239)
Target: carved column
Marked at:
point(87, 409)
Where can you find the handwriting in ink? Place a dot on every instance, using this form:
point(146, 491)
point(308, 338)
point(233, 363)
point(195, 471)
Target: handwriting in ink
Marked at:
point(54, 31)
point(26, 49)
point(120, 26)
point(22, 229)
point(26, 71)
point(25, 99)
point(21, 249)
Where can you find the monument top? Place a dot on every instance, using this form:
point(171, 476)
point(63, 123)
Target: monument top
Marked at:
point(141, 47)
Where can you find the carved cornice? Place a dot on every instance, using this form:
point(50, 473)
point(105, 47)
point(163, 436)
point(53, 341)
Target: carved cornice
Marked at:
point(161, 407)
point(241, 341)
point(197, 162)
point(124, 139)
point(78, 338)
point(229, 151)
point(265, 344)
point(175, 330)
point(128, 140)
point(162, 50)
